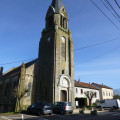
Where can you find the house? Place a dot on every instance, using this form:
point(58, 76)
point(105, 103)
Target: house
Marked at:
point(80, 98)
point(104, 91)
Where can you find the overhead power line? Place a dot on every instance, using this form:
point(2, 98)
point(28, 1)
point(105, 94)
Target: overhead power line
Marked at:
point(107, 52)
point(109, 10)
point(100, 43)
point(16, 62)
point(117, 3)
point(105, 14)
point(92, 45)
point(112, 8)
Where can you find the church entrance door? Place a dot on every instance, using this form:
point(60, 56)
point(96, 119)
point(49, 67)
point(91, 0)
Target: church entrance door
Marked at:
point(63, 96)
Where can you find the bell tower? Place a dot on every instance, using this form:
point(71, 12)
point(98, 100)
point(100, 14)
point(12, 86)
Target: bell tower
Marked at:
point(56, 58)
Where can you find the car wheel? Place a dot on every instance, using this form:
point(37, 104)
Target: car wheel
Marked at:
point(50, 113)
point(28, 111)
point(39, 113)
point(70, 112)
point(62, 112)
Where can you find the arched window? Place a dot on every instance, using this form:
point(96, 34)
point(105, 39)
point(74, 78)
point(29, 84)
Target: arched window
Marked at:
point(61, 21)
point(63, 46)
point(29, 85)
point(29, 88)
point(65, 23)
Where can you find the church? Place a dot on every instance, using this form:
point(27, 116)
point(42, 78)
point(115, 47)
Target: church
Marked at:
point(50, 77)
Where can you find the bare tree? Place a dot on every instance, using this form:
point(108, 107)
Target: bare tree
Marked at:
point(90, 95)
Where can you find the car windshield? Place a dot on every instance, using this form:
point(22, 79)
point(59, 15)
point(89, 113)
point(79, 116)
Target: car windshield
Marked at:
point(68, 104)
point(58, 104)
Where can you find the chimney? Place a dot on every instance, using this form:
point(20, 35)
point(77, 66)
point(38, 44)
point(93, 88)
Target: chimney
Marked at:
point(1, 71)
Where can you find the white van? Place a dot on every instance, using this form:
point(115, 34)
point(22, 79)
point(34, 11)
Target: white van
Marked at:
point(109, 103)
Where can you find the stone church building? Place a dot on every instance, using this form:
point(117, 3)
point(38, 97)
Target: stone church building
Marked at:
point(50, 77)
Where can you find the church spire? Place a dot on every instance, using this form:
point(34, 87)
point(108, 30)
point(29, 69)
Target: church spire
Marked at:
point(57, 4)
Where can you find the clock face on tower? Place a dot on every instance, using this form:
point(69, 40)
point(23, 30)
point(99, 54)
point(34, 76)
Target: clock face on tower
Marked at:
point(48, 39)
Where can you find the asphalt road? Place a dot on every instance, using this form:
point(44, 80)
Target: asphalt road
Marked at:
point(111, 116)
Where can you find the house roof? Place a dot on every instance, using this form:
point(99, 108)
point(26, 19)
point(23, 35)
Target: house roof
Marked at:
point(17, 70)
point(84, 85)
point(101, 85)
point(57, 4)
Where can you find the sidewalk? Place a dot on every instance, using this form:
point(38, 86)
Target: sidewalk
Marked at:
point(105, 112)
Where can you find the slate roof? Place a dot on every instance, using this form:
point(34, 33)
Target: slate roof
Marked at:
point(17, 69)
point(57, 4)
point(101, 85)
point(84, 85)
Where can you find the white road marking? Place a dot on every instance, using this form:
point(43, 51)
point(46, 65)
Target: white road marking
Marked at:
point(30, 115)
point(22, 117)
point(15, 117)
point(6, 118)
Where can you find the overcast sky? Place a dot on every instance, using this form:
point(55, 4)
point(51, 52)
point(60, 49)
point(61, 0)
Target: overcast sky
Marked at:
point(21, 23)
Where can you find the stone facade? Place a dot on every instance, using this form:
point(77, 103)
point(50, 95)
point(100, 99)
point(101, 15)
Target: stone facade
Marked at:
point(51, 76)
point(11, 81)
point(56, 59)
point(7, 85)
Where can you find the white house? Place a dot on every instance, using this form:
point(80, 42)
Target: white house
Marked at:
point(105, 91)
point(80, 98)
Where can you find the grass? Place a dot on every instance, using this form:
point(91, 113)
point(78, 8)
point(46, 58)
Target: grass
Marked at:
point(9, 113)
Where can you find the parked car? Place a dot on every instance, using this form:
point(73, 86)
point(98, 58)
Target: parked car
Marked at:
point(40, 108)
point(115, 103)
point(62, 107)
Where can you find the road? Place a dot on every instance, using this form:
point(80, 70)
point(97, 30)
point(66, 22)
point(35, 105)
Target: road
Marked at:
point(111, 116)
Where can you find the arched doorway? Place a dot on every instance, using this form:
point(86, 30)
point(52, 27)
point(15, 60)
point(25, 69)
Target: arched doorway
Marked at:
point(64, 88)
point(63, 96)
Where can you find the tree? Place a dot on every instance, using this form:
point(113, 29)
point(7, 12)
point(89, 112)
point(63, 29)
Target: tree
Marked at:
point(19, 94)
point(116, 97)
point(90, 95)
point(20, 90)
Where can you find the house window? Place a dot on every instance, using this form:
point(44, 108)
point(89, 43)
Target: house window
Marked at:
point(81, 91)
point(95, 94)
point(109, 94)
point(103, 94)
point(76, 90)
